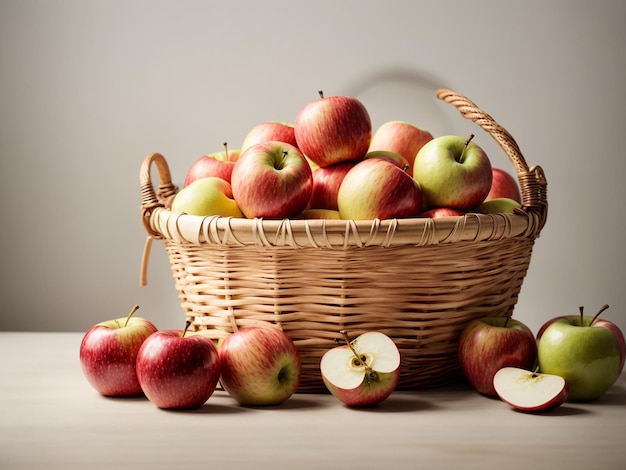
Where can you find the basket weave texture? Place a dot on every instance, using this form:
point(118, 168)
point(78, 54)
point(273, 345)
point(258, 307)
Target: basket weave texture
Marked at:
point(419, 280)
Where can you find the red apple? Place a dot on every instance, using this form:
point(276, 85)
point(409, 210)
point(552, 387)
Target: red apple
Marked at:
point(178, 371)
point(333, 129)
point(400, 137)
point(270, 130)
point(486, 345)
point(326, 183)
point(526, 390)
point(272, 180)
point(108, 353)
point(439, 212)
point(218, 164)
point(378, 189)
point(453, 172)
point(364, 371)
point(503, 185)
point(260, 366)
point(393, 157)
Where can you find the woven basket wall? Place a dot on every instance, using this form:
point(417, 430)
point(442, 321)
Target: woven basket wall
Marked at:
point(418, 280)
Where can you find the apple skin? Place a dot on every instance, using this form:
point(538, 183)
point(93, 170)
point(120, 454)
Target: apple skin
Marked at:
point(439, 212)
point(400, 137)
point(589, 358)
point(108, 352)
point(261, 366)
point(178, 371)
point(326, 183)
point(378, 189)
point(370, 393)
point(272, 180)
point(205, 197)
point(333, 129)
point(501, 205)
point(218, 164)
point(393, 157)
point(503, 185)
point(328, 214)
point(451, 175)
point(488, 344)
point(270, 130)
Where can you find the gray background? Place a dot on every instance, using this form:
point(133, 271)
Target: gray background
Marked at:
point(89, 88)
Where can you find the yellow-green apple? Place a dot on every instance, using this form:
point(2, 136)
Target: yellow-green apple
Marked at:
point(400, 137)
point(260, 366)
point(364, 371)
point(503, 185)
point(270, 130)
point(439, 212)
point(378, 189)
point(178, 370)
point(586, 351)
point(319, 214)
point(108, 352)
point(207, 196)
point(272, 180)
point(488, 344)
point(326, 183)
point(453, 172)
point(501, 205)
point(333, 129)
point(527, 390)
point(220, 164)
point(393, 157)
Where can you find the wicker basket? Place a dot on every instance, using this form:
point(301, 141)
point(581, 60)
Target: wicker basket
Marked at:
point(418, 280)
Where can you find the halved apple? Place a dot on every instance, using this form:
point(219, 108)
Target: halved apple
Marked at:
point(364, 371)
point(530, 391)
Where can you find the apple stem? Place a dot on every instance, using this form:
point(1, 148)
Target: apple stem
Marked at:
point(132, 311)
point(226, 149)
point(602, 309)
point(406, 168)
point(506, 321)
point(360, 360)
point(321, 93)
point(581, 309)
point(469, 139)
point(187, 325)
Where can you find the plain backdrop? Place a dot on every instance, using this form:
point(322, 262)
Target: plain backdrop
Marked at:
point(89, 88)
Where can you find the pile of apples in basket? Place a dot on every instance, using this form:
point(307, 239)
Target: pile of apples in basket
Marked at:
point(329, 164)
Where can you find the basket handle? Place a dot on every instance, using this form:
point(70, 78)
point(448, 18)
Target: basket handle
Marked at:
point(151, 199)
point(533, 183)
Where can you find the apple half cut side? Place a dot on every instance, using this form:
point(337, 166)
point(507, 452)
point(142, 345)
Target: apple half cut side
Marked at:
point(525, 390)
point(362, 372)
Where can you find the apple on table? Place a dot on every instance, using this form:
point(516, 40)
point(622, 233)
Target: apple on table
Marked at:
point(177, 370)
point(333, 129)
point(530, 391)
point(488, 344)
point(588, 352)
point(272, 180)
point(363, 372)
point(220, 164)
point(376, 188)
point(453, 172)
point(108, 352)
point(261, 366)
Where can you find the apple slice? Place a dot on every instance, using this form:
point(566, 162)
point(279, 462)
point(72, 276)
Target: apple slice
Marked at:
point(530, 391)
point(363, 372)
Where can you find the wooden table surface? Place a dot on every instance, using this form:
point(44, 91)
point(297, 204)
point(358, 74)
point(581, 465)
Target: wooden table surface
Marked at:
point(50, 418)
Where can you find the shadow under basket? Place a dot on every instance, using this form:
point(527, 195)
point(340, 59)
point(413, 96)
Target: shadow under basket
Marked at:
point(418, 280)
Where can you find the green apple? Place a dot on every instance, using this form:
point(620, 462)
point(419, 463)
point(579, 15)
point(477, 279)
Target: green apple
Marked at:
point(586, 351)
point(453, 172)
point(500, 205)
point(205, 197)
